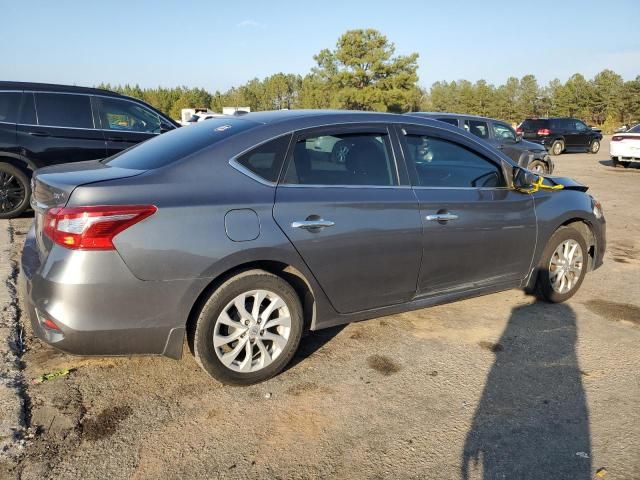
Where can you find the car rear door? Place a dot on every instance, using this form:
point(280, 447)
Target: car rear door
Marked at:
point(58, 128)
point(476, 232)
point(345, 204)
point(126, 123)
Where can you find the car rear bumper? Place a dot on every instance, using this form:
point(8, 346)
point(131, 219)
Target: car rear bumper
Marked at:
point(624, 152)
point(98, 305)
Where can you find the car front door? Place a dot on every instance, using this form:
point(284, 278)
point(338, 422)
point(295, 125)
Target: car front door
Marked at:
point(126, 123)
point(476, 232)
point(583, 135)
point(345, 204)
point(58, 128)
point(504, 138)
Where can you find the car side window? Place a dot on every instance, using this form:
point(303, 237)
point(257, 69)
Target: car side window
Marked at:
point(450, 121)
point(126, 116)
point(63, 110)
point(446, 164)
point(503, 132)
point(477, 128)
point(9, 103)
point(266, 160)
point(581, 127)
point(342, 159)
point(28, 110)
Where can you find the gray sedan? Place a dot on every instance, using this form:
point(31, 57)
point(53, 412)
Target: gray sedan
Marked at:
point(240, 233)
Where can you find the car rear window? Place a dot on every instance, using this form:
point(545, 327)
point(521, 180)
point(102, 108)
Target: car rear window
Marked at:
point(534, 124)
point(635, 129)
point(176, 144)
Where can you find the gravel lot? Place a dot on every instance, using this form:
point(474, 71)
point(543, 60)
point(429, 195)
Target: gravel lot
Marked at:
point(493, 387)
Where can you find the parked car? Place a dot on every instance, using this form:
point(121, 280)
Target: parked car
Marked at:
point(625, 147)
point(240, 234)
point(42, 124)
point(499, 134)
point(561, 134)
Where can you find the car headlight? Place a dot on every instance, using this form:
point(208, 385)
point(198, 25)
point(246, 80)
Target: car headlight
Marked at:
point(597, 208)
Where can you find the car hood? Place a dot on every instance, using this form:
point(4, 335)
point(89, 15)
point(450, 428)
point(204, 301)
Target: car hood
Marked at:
point(531, 146)
point(567, 183)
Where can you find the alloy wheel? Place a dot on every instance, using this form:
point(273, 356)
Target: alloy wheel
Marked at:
point(252, 331)
point(11, 192)
point(566, 266)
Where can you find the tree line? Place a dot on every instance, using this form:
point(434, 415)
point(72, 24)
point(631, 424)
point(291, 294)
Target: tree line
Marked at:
point(363, 72)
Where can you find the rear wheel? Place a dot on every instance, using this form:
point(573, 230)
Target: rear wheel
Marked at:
point(563, 266)
point(557, 147)
point(15, 191)
point(595, 146)
point(248, 329)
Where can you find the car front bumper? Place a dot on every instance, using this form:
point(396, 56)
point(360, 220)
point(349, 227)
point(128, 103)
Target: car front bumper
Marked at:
point(98, 305)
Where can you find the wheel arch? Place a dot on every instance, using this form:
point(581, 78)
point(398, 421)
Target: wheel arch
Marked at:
point(584, 227)
point(18, 161)
point(287, 272)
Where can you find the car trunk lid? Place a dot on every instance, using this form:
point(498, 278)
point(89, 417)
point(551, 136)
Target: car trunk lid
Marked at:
point(52, 187)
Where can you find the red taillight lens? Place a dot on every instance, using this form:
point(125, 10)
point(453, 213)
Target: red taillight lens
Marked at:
point(617, 138)
point(92, 228)
point(519, 131)
point(544, 131)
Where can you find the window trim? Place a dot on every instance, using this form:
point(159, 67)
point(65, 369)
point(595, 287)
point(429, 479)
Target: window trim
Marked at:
point(444, 135)
point(383, 128)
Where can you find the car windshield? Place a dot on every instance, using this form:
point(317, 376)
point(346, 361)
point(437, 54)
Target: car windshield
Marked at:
point(176, 144)
point(635, 129)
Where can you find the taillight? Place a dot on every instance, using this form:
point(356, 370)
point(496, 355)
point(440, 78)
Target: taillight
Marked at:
point(544, 131)
point(92, 228)
point(519, 131)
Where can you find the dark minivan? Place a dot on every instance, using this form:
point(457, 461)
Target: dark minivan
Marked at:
point(43, 124)
point(562, 134)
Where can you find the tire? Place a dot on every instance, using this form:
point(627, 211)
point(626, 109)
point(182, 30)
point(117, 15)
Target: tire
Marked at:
point(15, 191)
point(615, 162)
point(538, 166)
point(235, 342)
point(594, 147)
point(549, 288)
point(557, 147)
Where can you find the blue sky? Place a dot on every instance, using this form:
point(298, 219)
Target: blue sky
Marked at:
point(216, 45)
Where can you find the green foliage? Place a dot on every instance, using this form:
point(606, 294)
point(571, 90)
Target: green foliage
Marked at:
point(362, 72)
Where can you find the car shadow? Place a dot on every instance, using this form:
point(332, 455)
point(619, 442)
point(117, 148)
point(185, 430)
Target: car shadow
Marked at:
point(313, 341)
point(609, 163)
point(532, 420)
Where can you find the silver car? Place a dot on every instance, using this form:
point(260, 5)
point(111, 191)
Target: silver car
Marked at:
point(243, 232)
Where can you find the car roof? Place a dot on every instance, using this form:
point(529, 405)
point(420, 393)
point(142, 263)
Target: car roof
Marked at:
point(453, 115)
point(4, 85)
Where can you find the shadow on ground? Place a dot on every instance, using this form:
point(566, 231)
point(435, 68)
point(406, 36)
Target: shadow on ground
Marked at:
point(623, 166)
point(532, 419)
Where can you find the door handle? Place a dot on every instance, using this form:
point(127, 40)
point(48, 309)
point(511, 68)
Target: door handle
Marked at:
point(39, 134)
point(312, 224)
point(441, 217)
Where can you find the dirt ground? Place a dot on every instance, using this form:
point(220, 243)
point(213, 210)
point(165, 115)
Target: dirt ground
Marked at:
point(493, 387)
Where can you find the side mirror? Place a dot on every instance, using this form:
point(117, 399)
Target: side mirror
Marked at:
point(523, 178)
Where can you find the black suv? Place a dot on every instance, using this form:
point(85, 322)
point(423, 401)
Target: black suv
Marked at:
point(501, 136)
point(561, 134)
point(42, 124)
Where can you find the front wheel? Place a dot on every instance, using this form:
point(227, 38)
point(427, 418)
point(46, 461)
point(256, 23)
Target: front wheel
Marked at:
point(563, 266)
point(249, 328)
point(595, 146)
point(539, 167)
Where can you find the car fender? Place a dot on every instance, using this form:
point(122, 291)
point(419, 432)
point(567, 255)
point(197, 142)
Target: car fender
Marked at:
point(19, 161)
